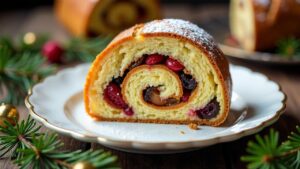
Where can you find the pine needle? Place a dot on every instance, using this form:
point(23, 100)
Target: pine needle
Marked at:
point(289, 48)
point(266, 152)
point(19, 70)
point(32, 149)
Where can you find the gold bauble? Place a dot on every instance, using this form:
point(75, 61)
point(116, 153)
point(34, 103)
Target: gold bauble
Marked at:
point(83, 165)
point(29, 38)
point(8, 113)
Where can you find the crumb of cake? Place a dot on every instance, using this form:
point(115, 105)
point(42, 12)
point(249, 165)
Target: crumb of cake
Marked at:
point(182, 132)
point(193, 126)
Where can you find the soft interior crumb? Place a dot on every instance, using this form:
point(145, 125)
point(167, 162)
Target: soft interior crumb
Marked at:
point(193, 126)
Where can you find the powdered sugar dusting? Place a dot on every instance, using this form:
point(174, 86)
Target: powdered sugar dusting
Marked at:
point(182, 28)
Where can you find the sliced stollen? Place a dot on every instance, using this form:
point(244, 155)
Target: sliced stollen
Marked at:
point(164, 71)
point(260, 24)
point(89, 18)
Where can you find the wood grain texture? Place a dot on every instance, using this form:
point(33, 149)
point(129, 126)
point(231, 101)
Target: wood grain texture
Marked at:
point(221, 156)
point(206, 158)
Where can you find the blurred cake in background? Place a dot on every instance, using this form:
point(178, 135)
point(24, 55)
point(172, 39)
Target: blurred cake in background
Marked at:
point(87, 18)
point(260, 24)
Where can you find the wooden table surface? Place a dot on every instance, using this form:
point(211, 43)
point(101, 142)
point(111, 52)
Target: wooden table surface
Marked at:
point(220, 156)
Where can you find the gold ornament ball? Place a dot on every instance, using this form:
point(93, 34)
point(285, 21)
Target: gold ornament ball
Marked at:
point(29, 38)
point(83, 165)
point(9, 113)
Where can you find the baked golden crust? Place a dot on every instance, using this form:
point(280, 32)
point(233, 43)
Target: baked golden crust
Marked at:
point(80, 16)
point(211, 50)
point(74, 14)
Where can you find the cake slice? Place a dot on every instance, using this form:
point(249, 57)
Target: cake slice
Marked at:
point(88, 18)
point(164, 71)
point(260, 24)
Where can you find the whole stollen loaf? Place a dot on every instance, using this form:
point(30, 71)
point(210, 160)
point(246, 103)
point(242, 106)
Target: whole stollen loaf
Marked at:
point(164, 71)
point(88, 18)
point(261, 24)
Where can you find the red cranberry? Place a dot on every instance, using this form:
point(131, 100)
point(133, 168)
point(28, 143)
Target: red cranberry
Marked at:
point(128, 111)
point(185, 97)
point(192, 113)
point(154, 59)
point(52, 51)
point(112, 94)
point(232, 41)
point(210, 110)
point(174, 65)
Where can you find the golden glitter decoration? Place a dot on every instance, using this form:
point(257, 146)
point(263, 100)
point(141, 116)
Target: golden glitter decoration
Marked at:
point(8, 113)
point(29, 38)
point(83, 165)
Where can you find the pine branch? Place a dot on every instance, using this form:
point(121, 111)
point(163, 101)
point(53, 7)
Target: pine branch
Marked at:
point(267, 153)
point(31, 149)
point(10, 141)
point(86, 49)
point(19, 71)
point(289, 48)
point(22, 65)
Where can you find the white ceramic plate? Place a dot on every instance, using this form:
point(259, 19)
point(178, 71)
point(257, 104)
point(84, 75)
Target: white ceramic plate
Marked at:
point(57, 103)
point(262, 57)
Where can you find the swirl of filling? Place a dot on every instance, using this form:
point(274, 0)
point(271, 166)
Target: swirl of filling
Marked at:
point(155, 82)
point(112, 16)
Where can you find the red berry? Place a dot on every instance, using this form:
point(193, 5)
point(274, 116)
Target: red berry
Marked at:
point(128, 111)
point(112, 94)
point(174, 65)
point(192, 113)
point(232, 41)
point(52, 51)
point(185, 97)
point(154, 59)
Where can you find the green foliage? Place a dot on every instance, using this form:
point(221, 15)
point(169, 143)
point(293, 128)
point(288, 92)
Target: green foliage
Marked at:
point(86, 49)
point(98, 158)
point(292, 148)
point(266, 152)
point(10, 141)
point(31, 149)
point(20, 67)
point(289, 48)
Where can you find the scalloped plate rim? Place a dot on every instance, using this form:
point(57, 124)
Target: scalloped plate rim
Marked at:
point(263, 57)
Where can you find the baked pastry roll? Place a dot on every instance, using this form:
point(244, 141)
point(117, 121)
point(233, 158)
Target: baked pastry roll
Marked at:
point(260, 24)
point(164, 71)
point(97, 17)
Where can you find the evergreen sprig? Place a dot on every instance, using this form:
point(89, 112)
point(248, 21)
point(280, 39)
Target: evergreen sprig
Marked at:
point(289, 48)
point(33, 149)
point(266, 152)
point(20, 67)
point(22, 64)
point(86, 49)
